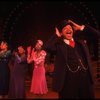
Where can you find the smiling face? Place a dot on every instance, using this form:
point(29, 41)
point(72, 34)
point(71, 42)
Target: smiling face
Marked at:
point(38, 45)
point(21, 50)
point(67, 32)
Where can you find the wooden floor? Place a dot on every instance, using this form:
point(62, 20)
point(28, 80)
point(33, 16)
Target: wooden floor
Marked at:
point(49, 95)
point(53, 95)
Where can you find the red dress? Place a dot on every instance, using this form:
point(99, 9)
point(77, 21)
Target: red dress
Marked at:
point(39, 84)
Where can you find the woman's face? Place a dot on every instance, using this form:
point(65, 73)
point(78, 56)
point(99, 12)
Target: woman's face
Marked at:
point(3, 45)
point(21, 50)
point(38, 46)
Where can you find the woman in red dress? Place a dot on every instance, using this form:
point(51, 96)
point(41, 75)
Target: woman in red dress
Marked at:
point(38, 84)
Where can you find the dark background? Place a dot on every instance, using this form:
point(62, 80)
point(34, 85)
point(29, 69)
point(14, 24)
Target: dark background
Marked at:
point(23, 22)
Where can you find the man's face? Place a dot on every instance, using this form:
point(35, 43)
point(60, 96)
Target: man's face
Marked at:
point(67, 32)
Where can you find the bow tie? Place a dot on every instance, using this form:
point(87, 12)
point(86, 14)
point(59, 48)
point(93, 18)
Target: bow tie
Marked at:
point(72, 43)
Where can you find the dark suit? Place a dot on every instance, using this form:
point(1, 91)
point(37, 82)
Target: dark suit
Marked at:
point(70, 87)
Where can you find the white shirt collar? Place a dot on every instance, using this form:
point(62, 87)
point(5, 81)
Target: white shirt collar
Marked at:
point(67, 41)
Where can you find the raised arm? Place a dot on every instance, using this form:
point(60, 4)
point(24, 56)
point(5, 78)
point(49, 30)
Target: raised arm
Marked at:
point(29, 55)
point(50, 45)
point(87, 28)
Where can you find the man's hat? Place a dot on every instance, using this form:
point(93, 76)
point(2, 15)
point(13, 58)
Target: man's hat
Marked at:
point(62, 24)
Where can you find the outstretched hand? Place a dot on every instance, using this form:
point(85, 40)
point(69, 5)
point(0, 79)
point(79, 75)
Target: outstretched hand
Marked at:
point(15, 53)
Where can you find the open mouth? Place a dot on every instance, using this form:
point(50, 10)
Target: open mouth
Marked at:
point(68, 32)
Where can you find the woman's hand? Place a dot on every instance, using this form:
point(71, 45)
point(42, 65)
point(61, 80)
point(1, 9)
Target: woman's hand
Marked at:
point(29, 50)
point(33, 51)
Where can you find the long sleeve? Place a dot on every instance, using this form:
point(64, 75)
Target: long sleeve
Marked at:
point(92, 31)
point(50, 45)
point(89, 33)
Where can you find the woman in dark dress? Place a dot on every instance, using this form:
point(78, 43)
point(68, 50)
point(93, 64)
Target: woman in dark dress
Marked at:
point(17, 81)
point(4, 69)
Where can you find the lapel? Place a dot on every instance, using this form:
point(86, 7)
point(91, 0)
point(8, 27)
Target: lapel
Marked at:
point(85, 50)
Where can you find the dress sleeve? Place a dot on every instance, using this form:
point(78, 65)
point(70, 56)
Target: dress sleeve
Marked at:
point(92, 31)
point(41, 58)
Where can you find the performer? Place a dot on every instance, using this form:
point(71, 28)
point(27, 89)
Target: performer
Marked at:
point(72, 77)
point(18, 74)
point(39, 84)
point(5, 55)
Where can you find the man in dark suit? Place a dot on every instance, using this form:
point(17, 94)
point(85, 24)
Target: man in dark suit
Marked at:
point(72, 77)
